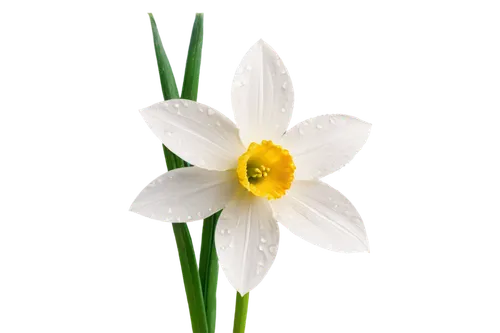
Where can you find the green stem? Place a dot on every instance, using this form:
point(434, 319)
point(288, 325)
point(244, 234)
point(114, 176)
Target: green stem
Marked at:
point(209, 268)
point(240, 313)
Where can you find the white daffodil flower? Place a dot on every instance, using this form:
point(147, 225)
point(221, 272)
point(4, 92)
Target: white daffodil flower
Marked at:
point(258, 172)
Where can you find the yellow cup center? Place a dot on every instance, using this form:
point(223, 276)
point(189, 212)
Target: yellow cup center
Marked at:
point(266, 170)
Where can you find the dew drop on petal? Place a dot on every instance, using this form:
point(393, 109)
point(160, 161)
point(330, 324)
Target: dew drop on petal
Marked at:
point(273, 249)
point(210, 112)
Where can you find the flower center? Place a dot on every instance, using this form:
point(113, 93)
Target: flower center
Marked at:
point(266, 170)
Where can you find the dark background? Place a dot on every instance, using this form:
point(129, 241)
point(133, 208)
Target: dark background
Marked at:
point(338, 61)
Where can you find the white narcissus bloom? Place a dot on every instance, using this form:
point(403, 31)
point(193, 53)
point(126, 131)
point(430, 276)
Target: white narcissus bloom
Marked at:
point(257, 174)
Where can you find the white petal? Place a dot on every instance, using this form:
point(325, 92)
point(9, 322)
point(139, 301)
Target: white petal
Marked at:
point(262, 95)
point(186, 194)
point(195, 132)
point(321, 215)
point(324, 144)
point(247, 241)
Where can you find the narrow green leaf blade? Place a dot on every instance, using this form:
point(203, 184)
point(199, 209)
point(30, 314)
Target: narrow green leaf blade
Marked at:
point(193, 62)
point(167, 79)
point(188, 267)
point(209, 269)
point(191, 278)
point(240, 313)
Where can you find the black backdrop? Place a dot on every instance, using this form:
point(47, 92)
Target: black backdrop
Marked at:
point(338, 61)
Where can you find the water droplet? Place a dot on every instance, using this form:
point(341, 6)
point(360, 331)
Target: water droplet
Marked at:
point(332, 120)
point(318, 126)
point(201, 110)
point(239, 83)
point(261, 248)
point(176, 105)
point(248, 68)
point(283, 110)
point(222, 247)
point(263, 240)
point(169, 133)
point(217, 123)
point(210, 209)
point(189, 217)
point(185, 103)
point(273, 249)
point(199, 214)
point(210, 112)
point(222, 231)
point(301, 131)
point(169, 210)
point(284, 85)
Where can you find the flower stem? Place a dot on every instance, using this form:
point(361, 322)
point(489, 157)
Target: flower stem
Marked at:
point(240, 313)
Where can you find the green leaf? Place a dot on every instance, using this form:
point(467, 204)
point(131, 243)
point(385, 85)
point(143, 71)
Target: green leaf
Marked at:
point(191, 277)
point(165, 71)
point(209, 268)
point(240, 313)
point(193, 62)
point(188, 267)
